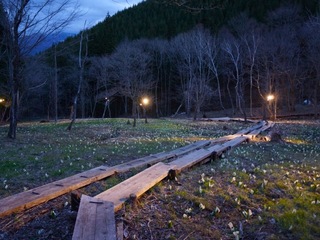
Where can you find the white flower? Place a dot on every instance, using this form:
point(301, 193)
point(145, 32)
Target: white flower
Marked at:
point(265, 182)
point(245, 214)
point(200, 189)
point(217, 210)
point(201, 206)
point(236, 234)
point(231, 226)
point(188, 210)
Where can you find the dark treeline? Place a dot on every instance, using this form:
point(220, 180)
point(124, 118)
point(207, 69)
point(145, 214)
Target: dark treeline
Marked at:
point(183, 58)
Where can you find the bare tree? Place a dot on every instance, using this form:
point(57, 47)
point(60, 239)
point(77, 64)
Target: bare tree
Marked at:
point(27, 23)
point(192, 64)
point(280, 58)
point(105, 88)
point(234, 57)
point(213, 50)
point(82, 59)
point(131, 69)
point(312, 36)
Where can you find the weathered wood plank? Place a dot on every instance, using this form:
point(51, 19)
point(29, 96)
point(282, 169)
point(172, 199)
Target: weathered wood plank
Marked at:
point(155, 158)
point(254, 127)
point(36, 196)
point(137, 185)
point(256, 132)
point(191, 159)
point(95, 220)
point(234, 142)
point(227, 119)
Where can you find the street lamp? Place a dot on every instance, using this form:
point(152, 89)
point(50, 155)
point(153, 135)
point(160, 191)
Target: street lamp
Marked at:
point(271, 98)
point(144, 103)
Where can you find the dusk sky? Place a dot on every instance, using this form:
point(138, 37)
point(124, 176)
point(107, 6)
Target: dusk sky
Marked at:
point(95, 11)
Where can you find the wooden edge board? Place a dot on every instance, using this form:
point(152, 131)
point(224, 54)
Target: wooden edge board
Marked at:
point(155, 158)
point(191, 159)
point(44, 193)
point(234, 142)
point(256, 132)
point(254, 127)
point(136, 185)
point(95, 220)
point(226, 119)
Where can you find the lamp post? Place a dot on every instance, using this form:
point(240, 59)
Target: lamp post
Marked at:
point(271, 99)
point(144, 103)
point(106, 105)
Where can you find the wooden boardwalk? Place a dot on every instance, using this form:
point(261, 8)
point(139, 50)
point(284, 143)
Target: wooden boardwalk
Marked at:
point(36, 196)
point(94, 212)
point(143, 181)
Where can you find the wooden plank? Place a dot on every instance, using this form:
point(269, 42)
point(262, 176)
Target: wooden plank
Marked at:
point(191, 159)
point(137, 185)
point(95, 220)
point(254, 127)
point(246, 131)
point(194, 146)
point(256, 132)
point(227, 119)
point(234, 142)
point(155, 158)
point(36, 196)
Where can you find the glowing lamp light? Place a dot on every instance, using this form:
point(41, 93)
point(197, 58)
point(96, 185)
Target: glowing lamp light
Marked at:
point(270, 97)
point(2, 100)
point(145, 101)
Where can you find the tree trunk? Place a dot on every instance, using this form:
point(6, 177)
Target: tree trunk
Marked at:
point(81, 70)
point(14, 79)
point(13, 114)
point(134, 113)
point(55, 86)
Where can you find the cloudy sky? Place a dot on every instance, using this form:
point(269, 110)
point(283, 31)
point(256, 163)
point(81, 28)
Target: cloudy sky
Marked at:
point(95, 11)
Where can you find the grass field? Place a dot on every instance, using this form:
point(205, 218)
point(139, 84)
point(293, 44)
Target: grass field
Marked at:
point(260, 190)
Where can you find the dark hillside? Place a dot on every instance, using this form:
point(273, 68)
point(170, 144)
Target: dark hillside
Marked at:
point(158, 19)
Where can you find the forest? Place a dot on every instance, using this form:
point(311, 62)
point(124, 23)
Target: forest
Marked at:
point(185, 58)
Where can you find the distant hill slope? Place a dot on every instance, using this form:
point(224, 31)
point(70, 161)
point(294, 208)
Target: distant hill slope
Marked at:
point(49, 41)
point(158, 19)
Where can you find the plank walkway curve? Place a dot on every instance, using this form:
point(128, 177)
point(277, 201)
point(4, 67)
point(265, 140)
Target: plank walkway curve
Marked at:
point(145, 180)
point(185, 157)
